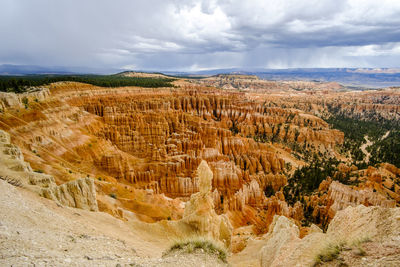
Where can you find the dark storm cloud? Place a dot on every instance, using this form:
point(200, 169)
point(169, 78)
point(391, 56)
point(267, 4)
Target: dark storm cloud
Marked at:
point(180, 35)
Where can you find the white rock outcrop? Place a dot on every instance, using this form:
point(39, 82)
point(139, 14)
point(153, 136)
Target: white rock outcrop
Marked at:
point(12, 100)
point(79, 193)
point(283, 246)
point(199, 212)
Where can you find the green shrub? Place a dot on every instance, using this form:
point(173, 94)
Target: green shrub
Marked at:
point(25, 101)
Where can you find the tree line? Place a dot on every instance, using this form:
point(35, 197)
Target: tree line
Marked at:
point(19, 84)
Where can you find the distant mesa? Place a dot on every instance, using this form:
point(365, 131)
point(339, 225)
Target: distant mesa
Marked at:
point(143, 75)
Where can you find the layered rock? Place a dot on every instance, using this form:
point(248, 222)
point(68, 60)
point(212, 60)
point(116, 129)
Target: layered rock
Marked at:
point(145, 142)
point(80, 193)
point(283, 239)
point(344, 196)
point(12, 100)
point(254, 84)
point(283, 246)
point(154, 140)
point(334, 196)
point(173, 133)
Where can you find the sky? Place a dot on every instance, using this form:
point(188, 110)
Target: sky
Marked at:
point(191, 35)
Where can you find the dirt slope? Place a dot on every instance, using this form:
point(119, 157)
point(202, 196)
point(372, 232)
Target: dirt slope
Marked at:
point(35, 231)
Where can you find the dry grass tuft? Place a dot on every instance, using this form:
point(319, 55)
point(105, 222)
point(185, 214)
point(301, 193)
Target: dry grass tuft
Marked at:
point(194, 244)
point(329, 253)
point(332, 252)
point(359, 250)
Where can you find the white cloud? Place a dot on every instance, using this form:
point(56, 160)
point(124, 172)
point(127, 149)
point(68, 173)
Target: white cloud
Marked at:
point(375, 50)
point(138, 44)
point(173, 34)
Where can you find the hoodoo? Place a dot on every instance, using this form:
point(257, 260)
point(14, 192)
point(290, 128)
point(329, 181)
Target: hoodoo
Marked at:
point(253, 173)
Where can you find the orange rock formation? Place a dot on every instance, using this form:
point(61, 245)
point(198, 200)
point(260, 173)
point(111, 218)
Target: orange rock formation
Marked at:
point(143, 146)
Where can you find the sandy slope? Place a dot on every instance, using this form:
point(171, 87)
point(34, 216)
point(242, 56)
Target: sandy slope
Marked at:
point(35, 231)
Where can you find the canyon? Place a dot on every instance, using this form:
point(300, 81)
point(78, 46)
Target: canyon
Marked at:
point(229, 144)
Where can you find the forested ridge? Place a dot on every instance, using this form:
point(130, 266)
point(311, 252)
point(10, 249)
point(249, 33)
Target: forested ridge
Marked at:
point(382, 149)
point(19, 84)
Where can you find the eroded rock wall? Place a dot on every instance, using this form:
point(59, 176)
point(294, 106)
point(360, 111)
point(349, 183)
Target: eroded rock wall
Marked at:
point(174, 132)
point(79, 193)
point(283, 246)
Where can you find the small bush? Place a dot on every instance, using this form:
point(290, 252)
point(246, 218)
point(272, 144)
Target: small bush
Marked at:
point(113, 195)
point(38, 171)
point(330, 253)
point(191, 245)
point(25, 101)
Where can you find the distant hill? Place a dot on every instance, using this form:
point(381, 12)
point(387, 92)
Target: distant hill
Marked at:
point(350, 77)
point(138, 74)
point(356, 77)
point(373, 78)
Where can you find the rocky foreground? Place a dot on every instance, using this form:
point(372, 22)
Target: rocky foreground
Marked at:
point(36, 231)
point(43, 232)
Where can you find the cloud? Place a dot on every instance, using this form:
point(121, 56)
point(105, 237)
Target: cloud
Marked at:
point(179, 35)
